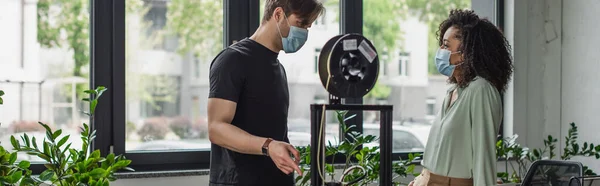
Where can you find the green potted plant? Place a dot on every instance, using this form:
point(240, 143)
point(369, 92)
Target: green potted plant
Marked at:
point(68, 166)
point(512, 153)
point(363, 171)
point(11, 172)
point(572, 149)
point(522, 156)
point(1, 94)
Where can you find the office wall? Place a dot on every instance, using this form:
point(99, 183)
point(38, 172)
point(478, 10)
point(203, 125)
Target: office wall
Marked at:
point(533, 99)
point(555, 80)
point(580, 63)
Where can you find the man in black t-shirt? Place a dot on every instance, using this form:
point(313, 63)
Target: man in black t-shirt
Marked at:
point(249, 99)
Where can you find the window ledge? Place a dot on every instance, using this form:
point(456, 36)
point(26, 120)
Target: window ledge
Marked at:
point(197, 172)
point(202, 172)
point(175, 173)
point(159, 174)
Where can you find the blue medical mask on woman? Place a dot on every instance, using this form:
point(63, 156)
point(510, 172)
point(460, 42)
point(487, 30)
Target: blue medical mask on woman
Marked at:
point(295, 39)
point(442, 62)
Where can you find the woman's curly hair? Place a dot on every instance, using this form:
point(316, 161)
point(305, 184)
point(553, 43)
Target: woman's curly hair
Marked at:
point(485, 50)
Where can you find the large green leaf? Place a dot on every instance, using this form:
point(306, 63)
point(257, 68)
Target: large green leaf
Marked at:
point(350, 117)
point(95, 154)
point(100, 90)
point(121, 163)
point(44, 156)
point(63, 141)
point(1, 94)
point(27, 181)
point(47, 149)
point(50, 166)
point(93, 106)
point(13, 158)
point(46, 175)
point(97, 173)
point(16, 145)
point(34, 142)
point(329, 168)
point(56, 134)
point(16, 177)
point(24, 164)
point(26, 140)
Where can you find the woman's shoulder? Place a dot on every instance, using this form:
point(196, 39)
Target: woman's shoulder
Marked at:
point(480, 84)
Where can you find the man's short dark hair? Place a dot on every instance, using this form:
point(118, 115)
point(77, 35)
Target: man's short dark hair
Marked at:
point(307, 10)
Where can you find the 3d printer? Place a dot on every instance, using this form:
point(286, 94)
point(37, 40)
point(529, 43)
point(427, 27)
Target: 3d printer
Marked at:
point(348, 68)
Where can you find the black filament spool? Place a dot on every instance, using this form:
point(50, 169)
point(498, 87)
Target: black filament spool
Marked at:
point(353, 65)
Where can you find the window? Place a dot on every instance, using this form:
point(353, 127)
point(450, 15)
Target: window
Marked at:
point(384, 63)
point(197, 67)
point(402, 141)
point(384, 69)
point(408, 31)
point(430, 106)
point(321, 21)
point(154, 55)
point(403, 62)
point(44, 68)
point(317, 53)
point(158, 79)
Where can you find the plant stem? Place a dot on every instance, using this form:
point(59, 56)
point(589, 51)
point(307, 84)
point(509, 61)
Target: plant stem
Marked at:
point(513, 169)
point(506, 165)
point(333, 164)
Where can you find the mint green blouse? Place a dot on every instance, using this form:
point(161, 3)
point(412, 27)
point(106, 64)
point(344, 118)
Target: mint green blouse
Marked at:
point(462, 140)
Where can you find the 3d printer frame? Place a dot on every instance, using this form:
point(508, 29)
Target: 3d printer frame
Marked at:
point(385, 139)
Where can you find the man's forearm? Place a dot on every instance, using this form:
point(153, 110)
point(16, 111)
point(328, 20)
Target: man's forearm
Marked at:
point(234, 138)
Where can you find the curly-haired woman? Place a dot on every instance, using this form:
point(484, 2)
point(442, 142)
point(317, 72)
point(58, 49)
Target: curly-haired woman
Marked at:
point(461, 149)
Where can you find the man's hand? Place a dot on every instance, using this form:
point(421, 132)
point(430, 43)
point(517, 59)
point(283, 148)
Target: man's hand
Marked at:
point(280, 154)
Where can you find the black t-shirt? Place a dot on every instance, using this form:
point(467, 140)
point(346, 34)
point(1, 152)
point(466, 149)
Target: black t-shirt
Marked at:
point(249, 74)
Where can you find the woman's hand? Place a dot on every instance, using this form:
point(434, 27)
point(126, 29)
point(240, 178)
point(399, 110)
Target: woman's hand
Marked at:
point(420, 180)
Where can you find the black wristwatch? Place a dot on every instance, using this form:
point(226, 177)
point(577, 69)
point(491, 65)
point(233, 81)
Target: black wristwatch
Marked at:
point(265, 147)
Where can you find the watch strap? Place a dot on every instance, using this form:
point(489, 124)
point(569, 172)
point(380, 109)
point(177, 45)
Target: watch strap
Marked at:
point(265, 147)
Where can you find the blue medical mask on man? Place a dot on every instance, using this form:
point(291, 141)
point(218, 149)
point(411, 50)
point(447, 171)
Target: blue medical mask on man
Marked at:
point(295, 39)
point(442, 62)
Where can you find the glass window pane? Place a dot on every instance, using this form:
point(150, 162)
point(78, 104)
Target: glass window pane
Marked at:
point(170, 45)
point(403, 139)
point(44, 69)
point(404, 34)
point(303, 79)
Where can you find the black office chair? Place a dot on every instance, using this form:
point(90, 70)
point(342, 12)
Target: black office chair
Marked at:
point(585, 181)
point(553, 173)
